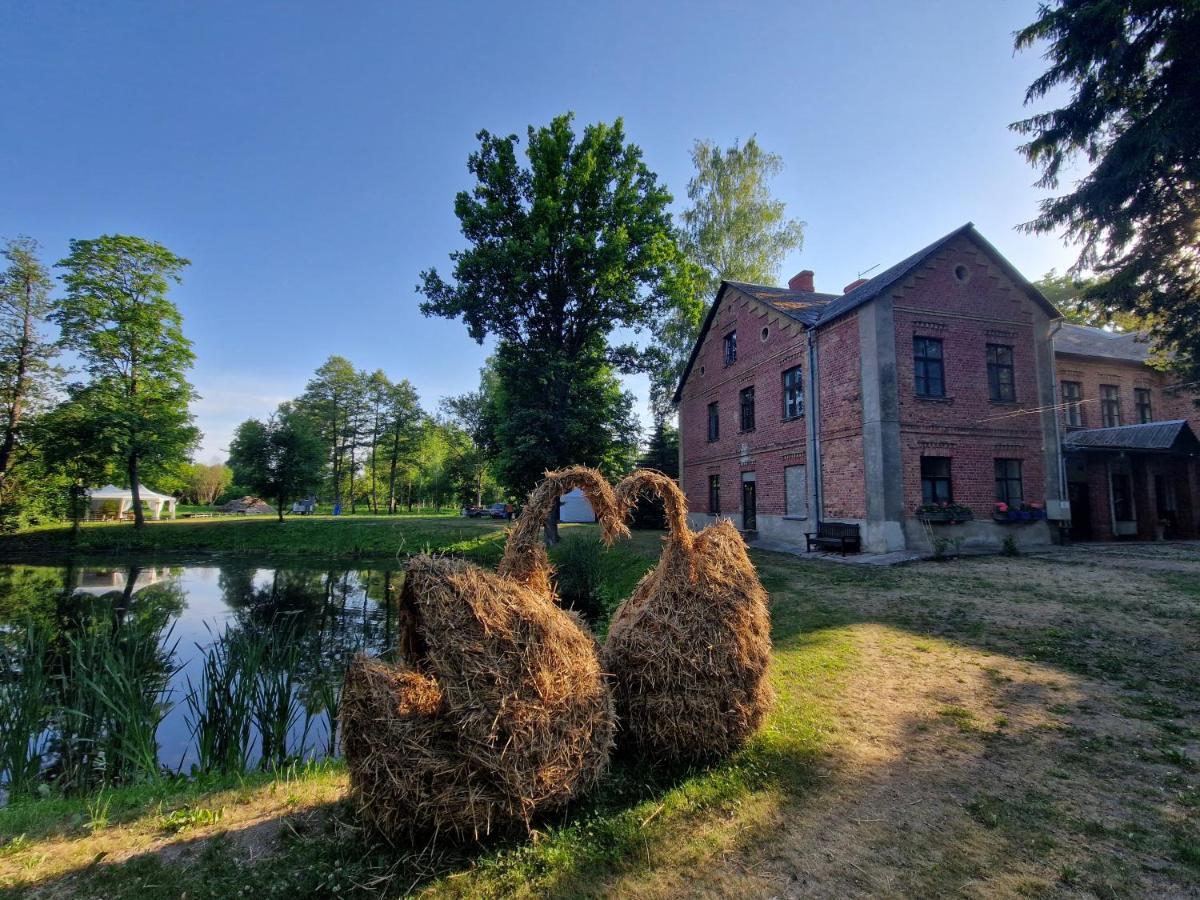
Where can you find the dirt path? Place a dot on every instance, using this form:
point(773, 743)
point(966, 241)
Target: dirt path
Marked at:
point(964, 773)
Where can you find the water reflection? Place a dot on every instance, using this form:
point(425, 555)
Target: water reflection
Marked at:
point(292, 629)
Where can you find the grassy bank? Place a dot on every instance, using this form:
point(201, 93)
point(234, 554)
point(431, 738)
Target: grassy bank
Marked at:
point(1013, 727)
point(351, 537)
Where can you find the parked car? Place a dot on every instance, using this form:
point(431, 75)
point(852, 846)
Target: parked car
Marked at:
point(474, 512)
point(500, 511)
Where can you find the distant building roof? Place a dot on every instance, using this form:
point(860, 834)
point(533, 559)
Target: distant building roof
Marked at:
point(1084, 340)
point(1175, 435)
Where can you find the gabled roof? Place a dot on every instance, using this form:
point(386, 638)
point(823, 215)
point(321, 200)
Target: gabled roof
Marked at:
point(799, 306)
point(1173, 436)
point(867, 292)
point(1083, 340)
point(813, 309)
point(804, 307)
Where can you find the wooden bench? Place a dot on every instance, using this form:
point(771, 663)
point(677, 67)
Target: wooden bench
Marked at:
point(840, 536)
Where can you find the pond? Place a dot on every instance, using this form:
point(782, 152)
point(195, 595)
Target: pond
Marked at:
point(109, 670)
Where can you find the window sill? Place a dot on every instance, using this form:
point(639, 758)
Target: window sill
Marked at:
point(1004, 402)
point(795, 518)
point(792, 418)
point(925, 398)
point(747, 431)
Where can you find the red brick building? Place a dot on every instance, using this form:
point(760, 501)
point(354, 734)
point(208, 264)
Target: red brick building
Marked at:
point(911, 404)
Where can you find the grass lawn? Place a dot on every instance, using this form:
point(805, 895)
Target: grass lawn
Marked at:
point(329, 537)
point(984, 727)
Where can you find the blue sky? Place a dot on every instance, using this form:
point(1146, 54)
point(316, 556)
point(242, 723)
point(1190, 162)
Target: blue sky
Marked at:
point(305, 155)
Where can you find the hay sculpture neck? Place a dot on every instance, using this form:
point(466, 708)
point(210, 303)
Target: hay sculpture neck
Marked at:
point(689, 649)
point(498, 709)
point(525, 558)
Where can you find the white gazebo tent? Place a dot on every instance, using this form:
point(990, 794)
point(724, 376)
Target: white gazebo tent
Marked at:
point(115, 501)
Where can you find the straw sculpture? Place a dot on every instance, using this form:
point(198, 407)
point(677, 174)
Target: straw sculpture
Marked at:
point(689, 649)
point(498, 709)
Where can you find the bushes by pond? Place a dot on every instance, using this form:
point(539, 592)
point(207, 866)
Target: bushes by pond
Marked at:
point(80, 710)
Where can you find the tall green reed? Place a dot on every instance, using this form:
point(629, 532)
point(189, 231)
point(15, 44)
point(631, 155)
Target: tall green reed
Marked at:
point(24, 710)
point(111, 695)
point(220, 706)
point(249, 695)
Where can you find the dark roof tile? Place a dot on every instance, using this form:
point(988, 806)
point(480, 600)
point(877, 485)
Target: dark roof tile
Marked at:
point(1083, 340)
point(1173, 435)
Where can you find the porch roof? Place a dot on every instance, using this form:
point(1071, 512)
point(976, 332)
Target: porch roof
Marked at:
point(1175, 436)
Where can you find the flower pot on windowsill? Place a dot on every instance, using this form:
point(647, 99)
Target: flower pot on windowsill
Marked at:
point(935, 515)
point(1018, 515)
point(947, 515)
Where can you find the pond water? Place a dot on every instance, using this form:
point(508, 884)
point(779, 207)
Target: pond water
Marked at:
point(195, 621)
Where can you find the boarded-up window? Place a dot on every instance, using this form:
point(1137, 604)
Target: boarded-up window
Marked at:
point(796, 491)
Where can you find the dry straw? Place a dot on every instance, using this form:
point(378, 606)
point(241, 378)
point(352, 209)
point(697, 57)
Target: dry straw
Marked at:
point(689, 649)
point(498, 709)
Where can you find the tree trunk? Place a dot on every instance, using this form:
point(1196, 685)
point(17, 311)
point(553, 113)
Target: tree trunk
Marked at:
point(139, 517)
point(393, 463)
point(279, 506)
point(552, 526)
point(19, 388)
point(374, 446)
point(350, 484)
point(122, 608)
point(76, 495)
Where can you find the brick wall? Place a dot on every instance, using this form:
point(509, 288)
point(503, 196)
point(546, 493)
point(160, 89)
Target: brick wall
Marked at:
point(843, 485)
point(1090, 372)
point(963, 298)
point(773, 443)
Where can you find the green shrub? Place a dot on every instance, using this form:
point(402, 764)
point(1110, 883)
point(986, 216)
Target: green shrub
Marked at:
point(1009, 548)
point(580, 575)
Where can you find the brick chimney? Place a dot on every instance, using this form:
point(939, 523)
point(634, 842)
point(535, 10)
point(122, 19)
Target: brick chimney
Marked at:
point(852, 285)
point(802, 282)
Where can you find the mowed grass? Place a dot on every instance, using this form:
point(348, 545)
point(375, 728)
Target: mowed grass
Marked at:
point(328, 537)
point(998, 727)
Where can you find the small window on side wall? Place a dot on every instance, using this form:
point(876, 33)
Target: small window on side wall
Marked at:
point(731, 348)
point(929, 371)
point(746, 405)
point(935, 480)
point(1001, 382)
point(1141, 400)
point(1009, 488)
point(1110, 405)
point(793, 393)
point(795, 489)
point(714, 495)
point(1072, 398)
point(714, 422)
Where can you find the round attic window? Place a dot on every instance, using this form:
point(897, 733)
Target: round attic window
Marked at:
point(961, 272)
point(766, 332)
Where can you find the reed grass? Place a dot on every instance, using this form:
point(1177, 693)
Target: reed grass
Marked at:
point(24, 710)
point(220, 706)
point(248, 694)
point(111, 696)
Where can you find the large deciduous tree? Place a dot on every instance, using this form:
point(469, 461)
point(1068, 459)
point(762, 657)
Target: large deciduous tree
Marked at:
point(129, 335)
point(561, 251)
point(1133, 90)
point(734, 230)
point(205, 483)
point(282, 458)
point(333, 400)
point(27, 371)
